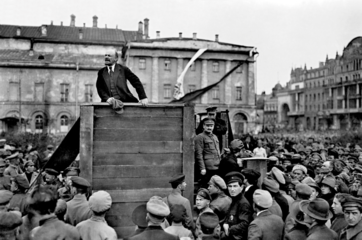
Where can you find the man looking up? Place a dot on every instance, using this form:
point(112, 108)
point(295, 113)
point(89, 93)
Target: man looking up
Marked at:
point(112, 82)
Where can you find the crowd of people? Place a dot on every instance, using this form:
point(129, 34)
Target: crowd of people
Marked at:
point(311, 189)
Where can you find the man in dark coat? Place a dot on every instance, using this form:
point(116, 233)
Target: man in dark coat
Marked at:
point(240, 213)
point(272, 186)
point(220, 202)
point(352, 209)
point(157, 210)
point(112, 82)
point(266, 226)
point(229, 161)
point(251, 180)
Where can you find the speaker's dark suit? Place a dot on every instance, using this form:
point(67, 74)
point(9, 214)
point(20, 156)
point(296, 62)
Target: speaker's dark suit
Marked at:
point(120, 75)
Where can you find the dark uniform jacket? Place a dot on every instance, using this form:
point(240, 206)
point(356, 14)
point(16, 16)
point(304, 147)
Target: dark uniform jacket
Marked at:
point(51, 228)
point(121, 75)
point(339, 223)
point(228, 164)
point(220, 204)
point(266, 226)
point(283, 203)
point(207, 151)
point(249, 194)
point(321, 232)
point(154, 233)
point(352, 233)
point(238, 218)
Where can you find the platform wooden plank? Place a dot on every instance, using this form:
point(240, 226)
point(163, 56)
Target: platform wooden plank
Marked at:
point(131, 183)
point(125, 134)
point(141, 195)
point(115, 171)
point(159, 159)
point(137, 147)
point(132, 111)
point(153, 122)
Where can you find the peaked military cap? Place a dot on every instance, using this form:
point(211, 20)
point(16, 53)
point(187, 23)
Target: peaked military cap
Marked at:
point(5, 197)
point(234, 177)
point(250, 174)
point(178, 179)
point(209, 220)
point(80, 182)
point(52, 171)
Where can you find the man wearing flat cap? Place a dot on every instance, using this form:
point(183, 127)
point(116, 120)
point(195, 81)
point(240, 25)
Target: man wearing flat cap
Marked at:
point(220, 202)
point(178, 185)
point(240, 213)
point(352, 209)
point(209, 221)
point(229, 162)
point(299, 172)
point(9, 220)
point(78, 208)
point(316, 214)
point(157, 211)
point(207, 152)
point(96, 227)
point(266, 226)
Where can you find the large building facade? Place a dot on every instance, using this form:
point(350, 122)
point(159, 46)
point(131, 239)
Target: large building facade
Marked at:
point(326, 97)
point(46, 72)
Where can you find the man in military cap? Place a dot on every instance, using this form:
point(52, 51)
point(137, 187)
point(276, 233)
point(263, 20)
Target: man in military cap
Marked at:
point(208, 222)
point(157, 211)
point(65, 192)
point(266, 226)
point(299, 172)
point(178, 185)
point(51, 179)
point(13, 169)
point(5, 183)
point(220, 202)
point(176, 228)
point(207, 152)
point(229, 162)
point(19, 186)
point(30, 172)
point(240, 213)
point(78, 208)
point(352, 209)
point(100, 202)
point(9, 220)
point(220, 128)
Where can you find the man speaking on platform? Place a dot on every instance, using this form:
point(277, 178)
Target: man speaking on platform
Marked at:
point(112, 82)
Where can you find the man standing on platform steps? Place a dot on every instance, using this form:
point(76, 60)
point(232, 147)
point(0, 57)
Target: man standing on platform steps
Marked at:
point(175, 198)
point(112, 82)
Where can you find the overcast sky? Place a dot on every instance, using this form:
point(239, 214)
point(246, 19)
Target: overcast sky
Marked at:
point(287, 33)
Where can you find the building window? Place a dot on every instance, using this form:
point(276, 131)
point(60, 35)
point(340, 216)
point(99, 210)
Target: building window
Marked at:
point(167, 91)
point(168, 65)
point(39, 123)
point(39, 92)
point(346, 78)
point(192, 87)
point(142, 63)
point(239, 93)
point(64, 92)
point(297, 87)
point(13, 91)
point(215, 93)
point(215, 66)
point(64, 123)
point(89, 93)
point(193, 66)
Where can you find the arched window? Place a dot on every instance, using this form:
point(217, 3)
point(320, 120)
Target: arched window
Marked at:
point(39, 123)
point(64, 123)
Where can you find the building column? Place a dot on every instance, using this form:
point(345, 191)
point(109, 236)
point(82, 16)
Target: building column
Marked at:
point(228, 89)
point(204, 80)
point(358, 99)
point(154, 80)
point(251, 84)
point(180, 66)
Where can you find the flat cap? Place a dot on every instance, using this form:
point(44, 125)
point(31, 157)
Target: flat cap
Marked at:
point(217, 181)
point(301, 168)
point(15, 155)
point(273, 158)
point(262, 198)
point(100, 201)
point(157, 207)
point(210, 108)
point(250, 174)
point(5, 197)
point(329, 180)
point(71, 171)
point(80, 182)
point(236, 144)
point(303, 189)
point(9, 221)
point(51, 171)
point(204, 193)
point(278, 175)
point(271, 185)
point(234, 177)
point(139, 216)
point(178, 179)
point(316, 156)
point(352, 201)
point(209, 220)
point(296, 157)
point(50, 146)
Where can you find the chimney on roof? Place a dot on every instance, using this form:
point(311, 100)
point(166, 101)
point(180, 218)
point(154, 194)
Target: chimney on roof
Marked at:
point(180, 35)
point(216, 37)
point(116, 26)
point(105, 26)
point(51, 23)
point(44, 31)
point(146, 21)
point(61, 23)
point(95, 21)
point(18, 31)
point(321, 64)
point(72, 20)
point(140, 27)
point(80, 34)
point(83, 24)
point(194, 36)
point(157, 34)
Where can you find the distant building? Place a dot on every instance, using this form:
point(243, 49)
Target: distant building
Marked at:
point(46, 72)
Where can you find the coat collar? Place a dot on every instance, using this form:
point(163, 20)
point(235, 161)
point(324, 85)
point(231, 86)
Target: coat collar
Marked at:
point(353, 231)
point(264, 213)
point(316, 228)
